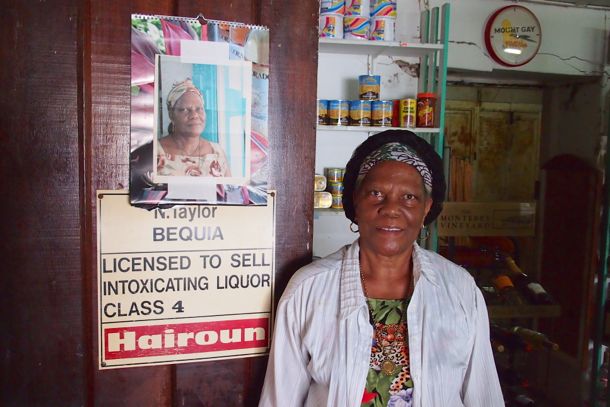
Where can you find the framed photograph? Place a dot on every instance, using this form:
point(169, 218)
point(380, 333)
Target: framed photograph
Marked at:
point(203, 119)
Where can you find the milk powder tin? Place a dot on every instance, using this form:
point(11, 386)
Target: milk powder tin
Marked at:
point(370, 86)
point(360, 8)
point(331, 26)
point(337, 201)
point(322, 199)
point(383, 8)
point(381, 113)
point(319, 183)
point(382, 28)
point(338, 112)
point(356, 28)
point(360, 113)
point(332, 7)
point(322, 111)
point(335, 188)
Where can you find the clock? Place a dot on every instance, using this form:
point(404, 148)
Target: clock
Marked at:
point(512, 36)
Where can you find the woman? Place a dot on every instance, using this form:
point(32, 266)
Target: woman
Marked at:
point(383, 322)
point(183, 151)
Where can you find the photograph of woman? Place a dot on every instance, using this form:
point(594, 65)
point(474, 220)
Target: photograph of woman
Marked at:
point(384, 322)
point(182, 151)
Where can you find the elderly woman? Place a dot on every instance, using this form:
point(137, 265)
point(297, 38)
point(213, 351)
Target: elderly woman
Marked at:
point(183, 151)
point(383, 322)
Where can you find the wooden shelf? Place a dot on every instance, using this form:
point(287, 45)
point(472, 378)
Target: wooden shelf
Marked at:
point(376, 48)
point(523, 311)
point(376, 129)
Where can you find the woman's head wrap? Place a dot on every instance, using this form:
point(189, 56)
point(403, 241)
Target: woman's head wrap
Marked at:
point(180, 89)
point(396, 145)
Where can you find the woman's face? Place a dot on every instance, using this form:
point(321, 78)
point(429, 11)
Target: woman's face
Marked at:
point(188, 114)
point(390, 206)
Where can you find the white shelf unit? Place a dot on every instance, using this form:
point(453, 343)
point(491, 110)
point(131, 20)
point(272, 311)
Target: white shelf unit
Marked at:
point(406, 68)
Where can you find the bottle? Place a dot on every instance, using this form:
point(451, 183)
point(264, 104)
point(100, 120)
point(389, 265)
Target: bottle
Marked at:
point(510, 378)
point(531, 288)
point(508, 339)
point(504, 285)
point(497, 346)
point(534, 338)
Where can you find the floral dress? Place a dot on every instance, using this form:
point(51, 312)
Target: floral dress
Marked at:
point(209, 165)
point(388, 383)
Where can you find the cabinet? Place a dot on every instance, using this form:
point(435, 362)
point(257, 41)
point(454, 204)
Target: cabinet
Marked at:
point(406, 67)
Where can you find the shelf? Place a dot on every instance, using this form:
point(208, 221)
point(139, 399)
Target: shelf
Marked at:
point(523, 311)
point(376, 129)
point(376, 48)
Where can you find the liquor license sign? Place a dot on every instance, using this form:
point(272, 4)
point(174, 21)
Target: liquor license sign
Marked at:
point(183, 284)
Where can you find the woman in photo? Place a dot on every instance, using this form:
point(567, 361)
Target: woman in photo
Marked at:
point(383, 322)
point(183, 152)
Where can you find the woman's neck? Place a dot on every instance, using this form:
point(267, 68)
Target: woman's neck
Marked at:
point(386, 277)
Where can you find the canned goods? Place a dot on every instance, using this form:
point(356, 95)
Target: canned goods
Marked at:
point(408, 108)
point(382, 28)
point(337, 201)
point(360, 112)
point(334, 174)
point(356, 28)
point(332, 6)
point(358, 8)
point(319, 182)
point(322, 111)
point(370, 87)
point(322, 199)
point(426, 103)
point(385, 8)
point(335, 188)
point(331, 25)
point(338, 112)
point(381, 113)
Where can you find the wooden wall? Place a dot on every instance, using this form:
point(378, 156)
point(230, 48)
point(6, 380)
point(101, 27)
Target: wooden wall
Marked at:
point(64, 133)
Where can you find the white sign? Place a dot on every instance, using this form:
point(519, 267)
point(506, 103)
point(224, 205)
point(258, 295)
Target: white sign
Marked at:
point(183, 284)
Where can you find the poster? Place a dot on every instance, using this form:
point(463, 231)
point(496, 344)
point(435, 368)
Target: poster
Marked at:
point(183, 284)
point(199, 109)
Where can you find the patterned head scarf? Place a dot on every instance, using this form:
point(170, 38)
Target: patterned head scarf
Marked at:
point(180, 89)
point(395, 151)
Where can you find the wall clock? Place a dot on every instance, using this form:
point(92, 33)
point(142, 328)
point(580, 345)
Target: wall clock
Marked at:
point(513, 36)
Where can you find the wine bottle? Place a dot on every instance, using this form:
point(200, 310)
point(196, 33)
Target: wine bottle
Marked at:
point(508, 339)
point(505, 287)
point(509, 377)
point(497, 346)
point(534, 338)
point(602, 377)
point(531, 288)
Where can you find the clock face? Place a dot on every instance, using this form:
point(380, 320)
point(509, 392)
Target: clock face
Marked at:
point(513, 35)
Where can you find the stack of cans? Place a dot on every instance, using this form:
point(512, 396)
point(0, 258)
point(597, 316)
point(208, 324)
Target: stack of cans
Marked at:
point(335, 185)
point(321, 198)
point(358, 19)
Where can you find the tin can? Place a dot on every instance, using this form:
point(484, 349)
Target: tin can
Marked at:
point(381, 113)
point(334, 174)
point(322, 199)
point(360, 8)
point(369, 87)
point(332, 7)
point(408, 109)
point(360, 113)
point(426, 104)
point(382, 28)
point(319, 182)
point(335, 188)
point(356, 28)
point(383, 8)
point(331, 26)
point(322, 111)
point(338, 112)
point(337, 201)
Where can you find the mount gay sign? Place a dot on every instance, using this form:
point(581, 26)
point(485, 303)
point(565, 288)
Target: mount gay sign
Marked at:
point(183, 284)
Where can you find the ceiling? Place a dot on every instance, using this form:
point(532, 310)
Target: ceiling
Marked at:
point(596, 3)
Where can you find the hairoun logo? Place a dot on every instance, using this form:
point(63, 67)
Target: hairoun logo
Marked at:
point(183, 339)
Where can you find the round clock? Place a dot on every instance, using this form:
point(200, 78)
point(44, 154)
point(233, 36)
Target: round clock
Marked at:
point(512, 36)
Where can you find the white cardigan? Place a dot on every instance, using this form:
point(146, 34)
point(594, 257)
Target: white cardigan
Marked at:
point(322, 340)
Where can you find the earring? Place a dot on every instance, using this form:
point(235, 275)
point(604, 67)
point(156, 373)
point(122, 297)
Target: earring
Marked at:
point(424, 234)
point(351, 227)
